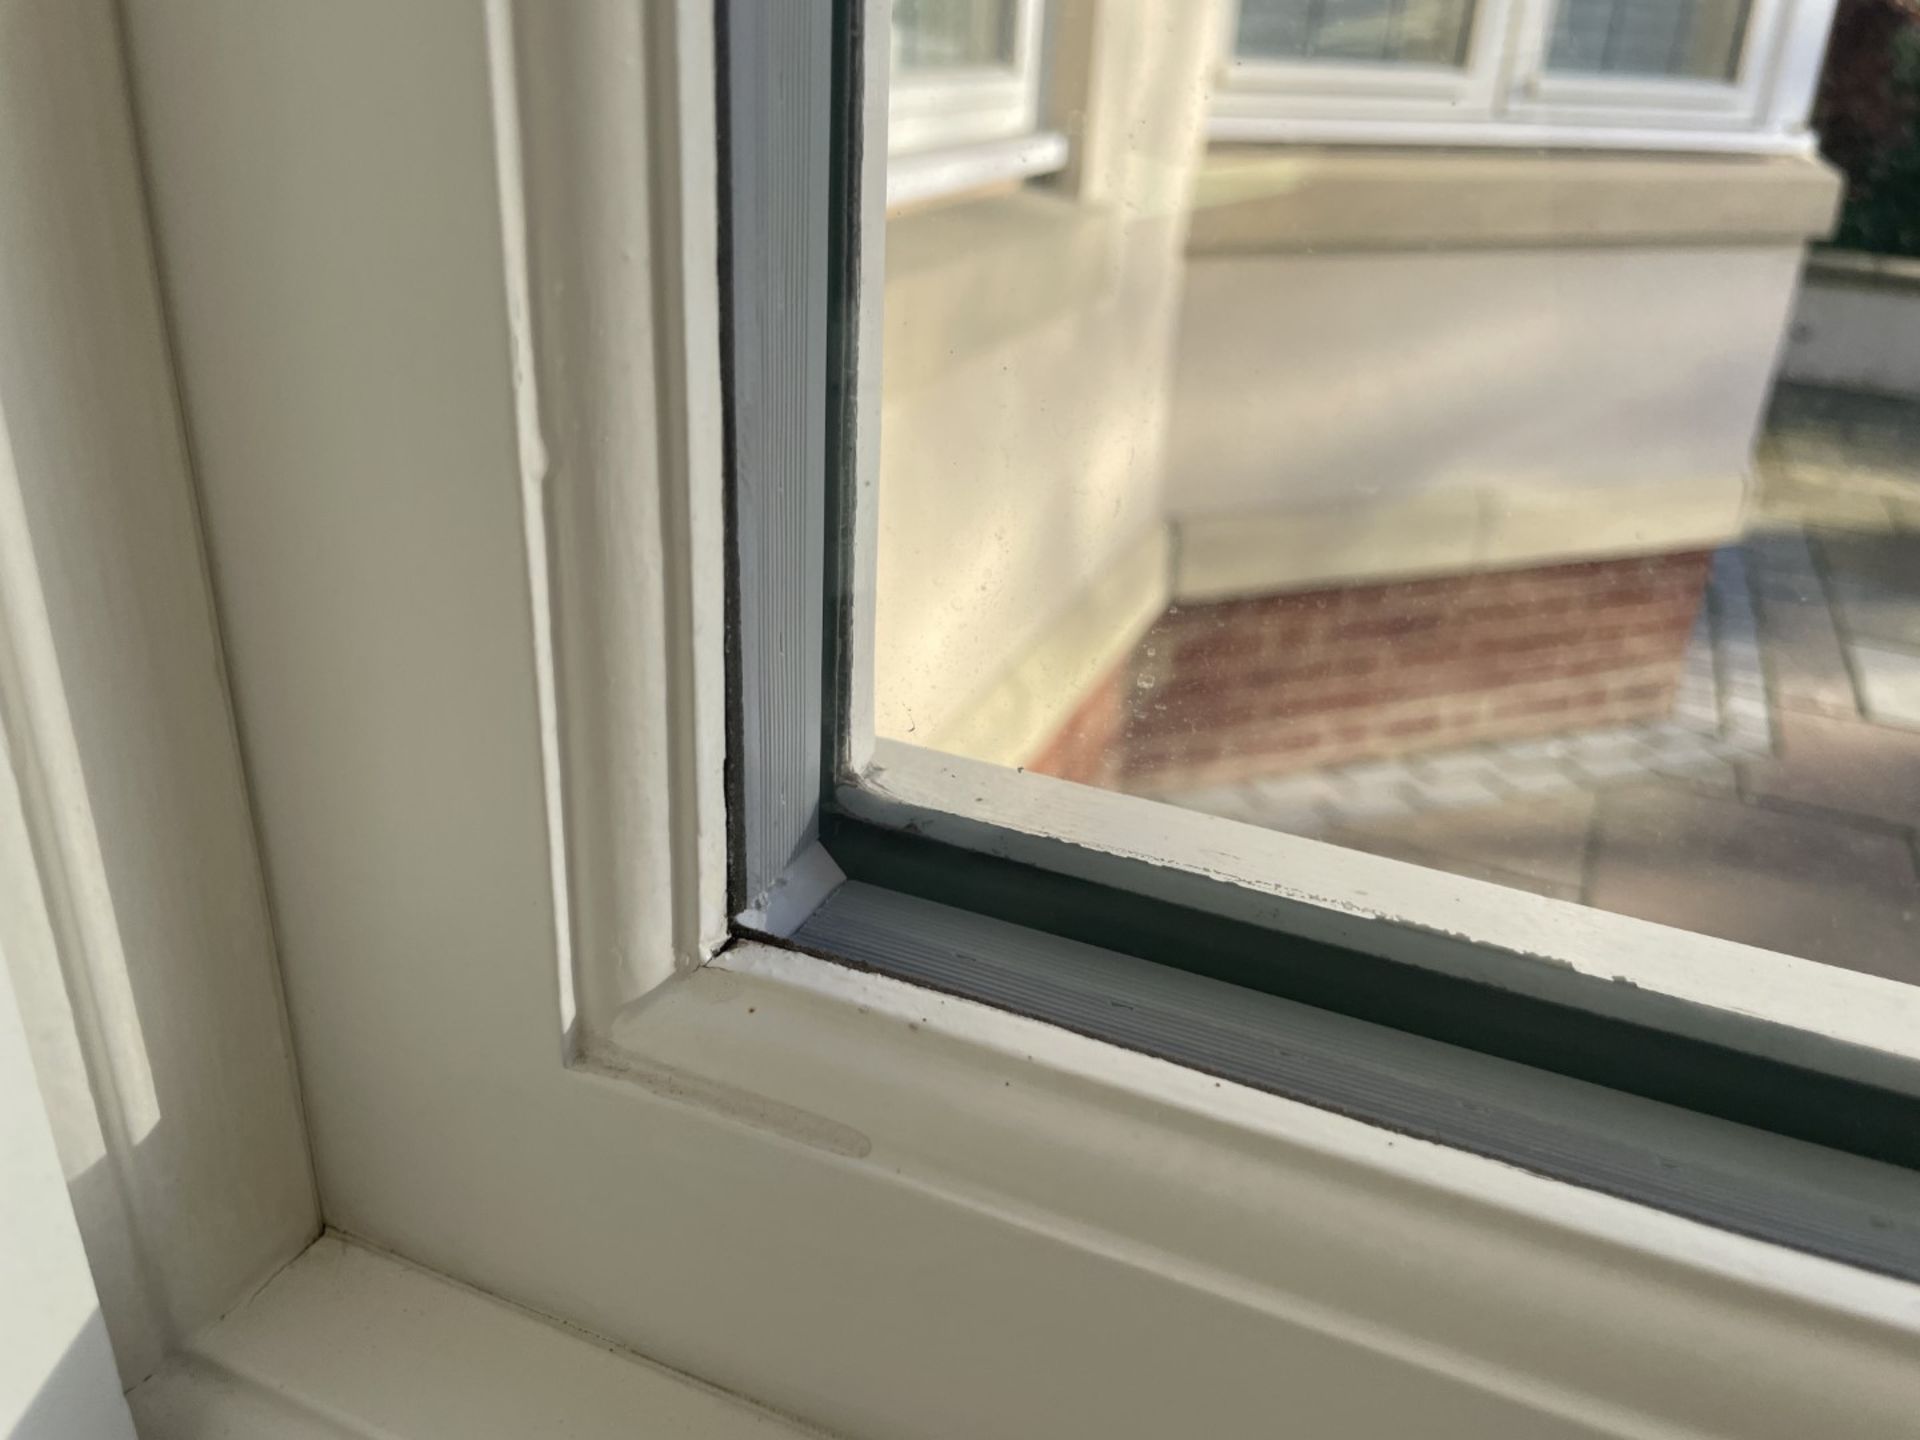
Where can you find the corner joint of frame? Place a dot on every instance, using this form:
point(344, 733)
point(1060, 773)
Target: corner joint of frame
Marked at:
point(783, 907)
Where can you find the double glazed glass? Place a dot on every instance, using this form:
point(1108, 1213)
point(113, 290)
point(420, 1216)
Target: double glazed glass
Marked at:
point(1414, 504)
point(1690, 39)
point(1398, 32)
point(953, 34)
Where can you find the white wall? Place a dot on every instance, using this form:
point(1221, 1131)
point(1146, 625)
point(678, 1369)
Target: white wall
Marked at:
point(1439, 390)
point(1027, 351)
point(1347, 396)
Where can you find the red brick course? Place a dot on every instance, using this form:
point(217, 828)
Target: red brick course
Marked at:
point(1234, 689)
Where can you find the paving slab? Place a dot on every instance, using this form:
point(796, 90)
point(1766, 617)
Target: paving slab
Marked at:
point(1537, 844)
point(1796, 883)
point(1807, 660)
point(1874, 582)
point(1889, 683)
point(1850, 766)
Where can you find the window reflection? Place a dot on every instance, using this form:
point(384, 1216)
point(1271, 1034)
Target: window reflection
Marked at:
point(1540, 513)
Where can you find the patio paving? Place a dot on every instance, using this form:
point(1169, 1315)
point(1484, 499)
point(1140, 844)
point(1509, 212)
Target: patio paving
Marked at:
point(1807, 883)
point(1800, 830)
point(1889, 683)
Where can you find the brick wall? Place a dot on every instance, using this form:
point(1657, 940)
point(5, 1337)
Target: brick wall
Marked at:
point(1241, 688)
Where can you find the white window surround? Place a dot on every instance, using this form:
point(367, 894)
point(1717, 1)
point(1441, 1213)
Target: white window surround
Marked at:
point(134, 927)
point(882, 1197)
point(890, 1211)
point(951, 131)
point(1505, 94)
point(1350, 91)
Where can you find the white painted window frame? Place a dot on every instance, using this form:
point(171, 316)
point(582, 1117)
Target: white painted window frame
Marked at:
point(860, 1200)
point(941, 109)
point(1251, 91)
point(1506, 95)
point(964, 129)
point(1536, 93)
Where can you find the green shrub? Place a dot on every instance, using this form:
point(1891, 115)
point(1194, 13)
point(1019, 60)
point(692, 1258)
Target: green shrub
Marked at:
point(1868, 117)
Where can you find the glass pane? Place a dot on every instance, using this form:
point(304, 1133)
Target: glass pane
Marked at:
point(953, 34)
point(1383, 504)
point(1694, 39)
point(1406, 32)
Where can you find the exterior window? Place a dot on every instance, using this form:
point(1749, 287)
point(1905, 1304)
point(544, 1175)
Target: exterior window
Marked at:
point(1645, 74)
point(964, 105)
point(1393, 32)
point(955, 34)
point(1695, 39)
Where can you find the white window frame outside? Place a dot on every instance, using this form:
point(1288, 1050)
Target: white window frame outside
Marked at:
point(955, 130)
point(1506, 95)
point(1538, 93)
point(1252, 90)
point(940, 109)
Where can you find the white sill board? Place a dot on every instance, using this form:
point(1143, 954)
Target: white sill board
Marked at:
point(915, 178)
point(347, 1341)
